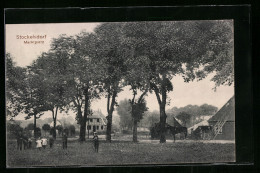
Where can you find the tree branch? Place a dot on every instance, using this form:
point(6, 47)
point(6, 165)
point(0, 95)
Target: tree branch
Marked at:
point(141, 97)
point(156, 90)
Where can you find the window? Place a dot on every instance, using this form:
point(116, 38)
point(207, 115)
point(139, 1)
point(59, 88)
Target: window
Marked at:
point(97, 127)
point(91, 120)
point(89, 127)
point(101, 127)
point(98, 120)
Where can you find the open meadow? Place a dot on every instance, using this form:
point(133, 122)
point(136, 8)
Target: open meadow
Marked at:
point(121, 153)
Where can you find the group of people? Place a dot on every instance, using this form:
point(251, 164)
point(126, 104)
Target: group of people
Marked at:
point(43, 142)
point(23, 142)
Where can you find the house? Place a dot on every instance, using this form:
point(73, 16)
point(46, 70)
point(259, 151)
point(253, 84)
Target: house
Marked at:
point(96, 122)
point(224, 121)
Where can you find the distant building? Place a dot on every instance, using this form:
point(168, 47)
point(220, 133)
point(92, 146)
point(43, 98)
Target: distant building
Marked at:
point(223, 121)
point(97, 122)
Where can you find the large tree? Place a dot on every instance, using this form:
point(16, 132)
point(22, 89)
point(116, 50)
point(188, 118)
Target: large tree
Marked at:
point(192, 49)
point(52, 69)
point(138, 78)
point(108, 52)
point(15, 82)
point(80, 75)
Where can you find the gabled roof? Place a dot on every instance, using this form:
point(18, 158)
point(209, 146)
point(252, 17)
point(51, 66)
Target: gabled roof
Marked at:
point(228, 110)
point(174, 123)
point(97, 114)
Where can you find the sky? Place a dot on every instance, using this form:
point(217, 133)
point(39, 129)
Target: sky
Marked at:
point(195, 93)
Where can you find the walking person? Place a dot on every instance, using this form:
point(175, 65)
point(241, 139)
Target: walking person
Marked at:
point(96, 142)
point(44, 142)
point(39, 143)
point(64, 140)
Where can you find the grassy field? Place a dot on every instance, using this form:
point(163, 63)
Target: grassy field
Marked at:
point(120, 153)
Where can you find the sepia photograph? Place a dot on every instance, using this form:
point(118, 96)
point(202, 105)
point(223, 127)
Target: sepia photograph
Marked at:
point(120, 93)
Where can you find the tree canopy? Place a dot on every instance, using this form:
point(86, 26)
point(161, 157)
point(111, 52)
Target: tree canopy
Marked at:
point(142, 55)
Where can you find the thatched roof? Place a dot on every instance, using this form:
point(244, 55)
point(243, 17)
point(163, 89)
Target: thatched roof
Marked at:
point(228, 110)
point(174, 123)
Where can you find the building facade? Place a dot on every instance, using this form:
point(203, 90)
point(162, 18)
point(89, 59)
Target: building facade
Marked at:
point(96, 122)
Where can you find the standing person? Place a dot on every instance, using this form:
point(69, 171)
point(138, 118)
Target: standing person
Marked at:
point(30, 143)
point(19, 141)
point(51, 141)
point(39, 143)
point(64, 140)
point(96, 142)
point(25, 142)
point(44, 142)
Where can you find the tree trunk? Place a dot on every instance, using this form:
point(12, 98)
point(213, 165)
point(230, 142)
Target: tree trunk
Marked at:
point(109, 117)
point(162, 104)
point(162, 124)
point(83, 120)
point(162, 111)
point(34, 125)
point(109, 127)
point(135, 131)
point(54, 129)
point(82, 130)
point(54, 117)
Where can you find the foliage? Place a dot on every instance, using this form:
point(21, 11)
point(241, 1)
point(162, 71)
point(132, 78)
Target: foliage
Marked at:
point(46, 127)
point(59, 128)
point(30, 126)
point(124, 112)
point(37, 132)
point(183, 48)
point(66, 131)
point(184, 117)
point(72, 130)
point(15, 81)
point(150, 118)
point(109, 54)
point(14, 129)
point(143, 55)
point(138, 110)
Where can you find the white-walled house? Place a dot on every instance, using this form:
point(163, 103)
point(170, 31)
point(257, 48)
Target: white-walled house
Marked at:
point(97, 122)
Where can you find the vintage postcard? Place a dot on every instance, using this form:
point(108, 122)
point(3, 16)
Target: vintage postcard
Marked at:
point(120, 93)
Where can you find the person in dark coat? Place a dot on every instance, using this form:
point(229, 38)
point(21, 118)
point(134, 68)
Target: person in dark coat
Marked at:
point(64, 141)
point(96, 142)
point(19, 139)
point(25, 142)
point(29, 143)
point(51, 141)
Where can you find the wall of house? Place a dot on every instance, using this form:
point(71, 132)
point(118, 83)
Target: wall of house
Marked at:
point(228, 131)
point(98, 125)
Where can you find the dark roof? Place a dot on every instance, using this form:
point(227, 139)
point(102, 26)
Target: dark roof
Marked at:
point(174, 123)
point(228, 110)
